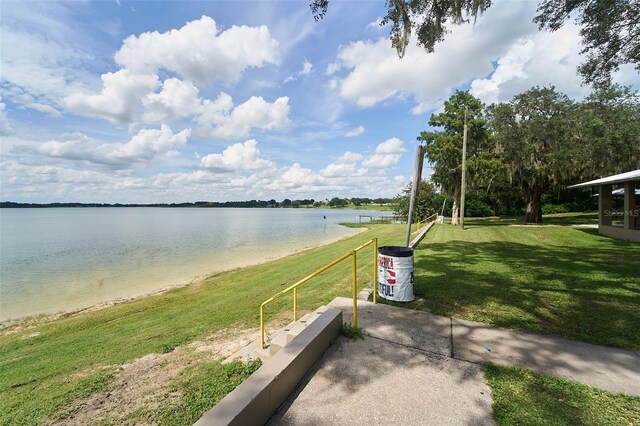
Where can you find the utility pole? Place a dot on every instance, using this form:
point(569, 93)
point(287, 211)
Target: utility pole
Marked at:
point(464, 168)
point(417, 174)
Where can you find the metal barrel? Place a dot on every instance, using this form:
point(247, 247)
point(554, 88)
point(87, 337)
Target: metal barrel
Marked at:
point(395, 273)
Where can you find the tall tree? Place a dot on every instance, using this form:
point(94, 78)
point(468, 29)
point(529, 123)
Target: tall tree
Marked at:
point(534, 135)
point(610, 29)
point(425, 206)
point(443, 148)
point(610, 129)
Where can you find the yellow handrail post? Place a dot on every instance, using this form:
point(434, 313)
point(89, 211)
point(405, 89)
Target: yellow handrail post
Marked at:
point(262, 326)
point(375, 270)
point(355, 290)
point(294, 288)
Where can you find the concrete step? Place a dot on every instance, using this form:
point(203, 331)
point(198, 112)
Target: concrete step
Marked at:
point(277, 340)
point(365, 292)
point(245, 354)
point(309, 318)
point(295, 329)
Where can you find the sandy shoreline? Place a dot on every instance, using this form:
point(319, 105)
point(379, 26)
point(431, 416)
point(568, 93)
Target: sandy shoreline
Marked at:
point(20, 323)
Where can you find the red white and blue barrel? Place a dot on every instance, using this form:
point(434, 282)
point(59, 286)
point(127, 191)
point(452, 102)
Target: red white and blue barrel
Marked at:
point(395, 273)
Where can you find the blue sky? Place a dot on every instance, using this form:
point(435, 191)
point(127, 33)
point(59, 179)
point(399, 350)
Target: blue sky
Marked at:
point(167, 101)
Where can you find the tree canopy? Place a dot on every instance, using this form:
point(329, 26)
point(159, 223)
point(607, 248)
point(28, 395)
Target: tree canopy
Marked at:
point(537, 143)
point(533, 135)
point(338, 202)
point(610, 29)
point(443, 148)
point(426, 204)
point(609, 121)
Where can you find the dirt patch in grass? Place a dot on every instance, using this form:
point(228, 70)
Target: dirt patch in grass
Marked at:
point(140, 387)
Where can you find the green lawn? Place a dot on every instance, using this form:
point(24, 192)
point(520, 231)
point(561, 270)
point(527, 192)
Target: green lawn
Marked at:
point(44, 368)
point(523, 398)
point(379, 207)
point(201, 387)
point(558, 280)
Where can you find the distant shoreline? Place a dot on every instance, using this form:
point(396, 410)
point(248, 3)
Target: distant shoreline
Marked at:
point(257, 204)
point(197, 204)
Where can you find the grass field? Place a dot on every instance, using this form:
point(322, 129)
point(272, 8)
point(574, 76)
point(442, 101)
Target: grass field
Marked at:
point(524, 398)
point(46, 369)
point(379, 207)
point(558, 280)
point(553, 279)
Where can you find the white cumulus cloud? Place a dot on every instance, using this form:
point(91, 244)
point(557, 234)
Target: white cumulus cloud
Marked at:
point(239, 172)
point(333, 68)
point(199, 51)
point(295, 177)
point(376, 25)
point(120, 99)
point(239, 156)
point(349, 158)
point(540, 59)
point(176, 99)
point(143, 147)
point(306, 68)
point(305, 71)
point(386, 155)
point(355, 132)
point(146, 144)
point(504, 45)
point(219, 118)
point(344, 170)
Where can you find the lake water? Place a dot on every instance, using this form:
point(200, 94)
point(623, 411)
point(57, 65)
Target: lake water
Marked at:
point(62, 259)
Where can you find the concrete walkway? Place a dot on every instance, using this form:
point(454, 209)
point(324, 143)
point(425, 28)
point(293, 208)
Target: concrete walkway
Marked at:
point(417, 368)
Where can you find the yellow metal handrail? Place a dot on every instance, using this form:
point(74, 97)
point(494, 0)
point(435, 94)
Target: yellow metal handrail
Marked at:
point(294, 287)
point(434, 216)
point(422, 223)
point(373, 241)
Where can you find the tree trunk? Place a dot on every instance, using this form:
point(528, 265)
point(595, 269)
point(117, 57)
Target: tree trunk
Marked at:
point(534, 206)
point(455, 209)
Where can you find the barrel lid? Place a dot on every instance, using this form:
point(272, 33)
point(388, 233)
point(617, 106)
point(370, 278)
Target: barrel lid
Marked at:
point(396, 251)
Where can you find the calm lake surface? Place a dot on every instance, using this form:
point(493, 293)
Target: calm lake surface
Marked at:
point(62, 259)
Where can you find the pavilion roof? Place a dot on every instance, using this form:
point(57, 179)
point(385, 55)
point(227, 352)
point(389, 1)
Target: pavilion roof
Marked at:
point(619, 178)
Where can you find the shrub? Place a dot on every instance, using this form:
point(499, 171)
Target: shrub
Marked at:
point(555, 208)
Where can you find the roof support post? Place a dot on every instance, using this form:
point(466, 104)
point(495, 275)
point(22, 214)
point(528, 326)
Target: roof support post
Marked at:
point(629, 205)
point(604, 205)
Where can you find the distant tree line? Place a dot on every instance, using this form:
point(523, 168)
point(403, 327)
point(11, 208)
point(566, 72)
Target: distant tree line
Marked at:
point(286, 203)
point(250, 203)
point(522, 154)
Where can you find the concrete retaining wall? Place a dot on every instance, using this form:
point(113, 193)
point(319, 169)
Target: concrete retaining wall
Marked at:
point(258, 397)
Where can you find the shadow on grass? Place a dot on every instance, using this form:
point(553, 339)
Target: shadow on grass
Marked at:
point(590, 218)
point(525, 398)
point(569, 219)
point(590, 292)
